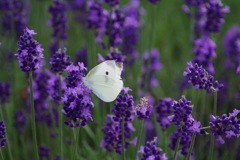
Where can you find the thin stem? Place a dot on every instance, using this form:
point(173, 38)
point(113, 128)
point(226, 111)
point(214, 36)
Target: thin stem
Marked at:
point(191, 146)
point(212, 136)
point(33, 116)
point(8, 143)
point(1, 154)
point(60, 117)
point(140, 137)
point(76, 141)
point(176, 149)
point(123, 141)
point(204, 128)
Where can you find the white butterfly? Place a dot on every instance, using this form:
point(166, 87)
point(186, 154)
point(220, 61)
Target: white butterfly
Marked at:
point(105, 80)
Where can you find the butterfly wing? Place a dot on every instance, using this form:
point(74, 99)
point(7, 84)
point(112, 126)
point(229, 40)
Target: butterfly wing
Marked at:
point(105, 80)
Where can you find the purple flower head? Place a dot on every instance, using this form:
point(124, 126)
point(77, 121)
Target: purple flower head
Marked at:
point(154, 1)
point(215, 12)
point(112, 140)
point(199, 78)
point(227, 126)
point(44, 151)
point(231, 44)
point(205, 49)
point(59, 61)
point(115, 56)
point(76, 99)
point(186, 124)
point(5, 91)
point(115, 24)
point(29, 53)
point(75, 74)
point(112, 3)
point(54, 86)
point(79, 7)
point(20, 121)
point(58, 22)
point(97, 19)
point(124, 106)
point(143, 109)
point(151, 151)
point(151, 64)
point(193, 2)
point(2, 134)
point(81, 56)
point(164, 109)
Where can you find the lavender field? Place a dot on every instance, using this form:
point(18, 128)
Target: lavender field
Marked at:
point(165, 86)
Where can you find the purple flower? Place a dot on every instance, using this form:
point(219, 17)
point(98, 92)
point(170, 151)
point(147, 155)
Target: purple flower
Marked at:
point(124, 106)
point(112, 3)
point(154, 1)
point(29, 53)
point(79, 8)
point(143, 109)
point(81, 56)
point(59, 23)
point(44, 151)
point(5, 91)
point(227, 126)
point(231, 44)
point(151, 151)
point(97, 20)
point(112, 140)
point(205, 49)
point(215, 12)
point(2, 134)
point(193, 2)
point(199, 78)
point(76, 99)
point(20, 121)
point(59, 61)
point(186, 125)
point(117, 56)
point(164, 109)
point(151, 64)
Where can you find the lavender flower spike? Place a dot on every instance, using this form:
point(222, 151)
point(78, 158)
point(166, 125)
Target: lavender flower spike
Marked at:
point(143, 109)
point(30, 53)
point(151, 152)
point(199, 78)
point(5, 91)
point(2, 134)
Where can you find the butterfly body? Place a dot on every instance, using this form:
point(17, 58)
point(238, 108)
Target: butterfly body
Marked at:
point(105, 80)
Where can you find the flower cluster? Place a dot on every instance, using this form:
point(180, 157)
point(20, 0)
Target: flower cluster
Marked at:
point(59, 23)
point(2, 134)
point(186, 124)
point(59, 61)
point(97, 20)
point(112, 3)
point(76, 99)
point(44, 151)
point(227, 126)
point(124, 113)
point(79, 7)
point(15, 16)
point(199, 78)
point(143, 109)
point(151, 64)
point(205, 48)
point(29, 53)
point(20, 121)
point(152, 151)
point(117, 56)
point(81, 56)
point(5, 91)
point(164, 109)
point(154, 1)
point(231, 44)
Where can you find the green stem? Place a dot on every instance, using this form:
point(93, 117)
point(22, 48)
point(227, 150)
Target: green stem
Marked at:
point(212, 136)
point(140, 137)
point(191, 146)
point(33, 117)
point(60, 117)
point(8, 142)
point(123, 141)
point(76, 141)
point(177, 147)
point(1, 154)
point(204, 128)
